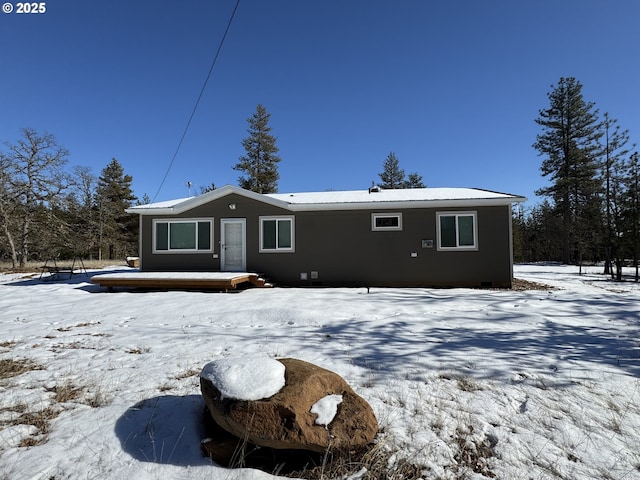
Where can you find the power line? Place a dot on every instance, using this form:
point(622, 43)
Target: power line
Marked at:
point(195, 107)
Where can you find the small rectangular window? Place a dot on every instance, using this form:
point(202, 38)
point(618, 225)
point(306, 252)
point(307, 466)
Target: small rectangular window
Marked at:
point(277, 234)
point(182, 236)
point(457, 231)
point(386, 221)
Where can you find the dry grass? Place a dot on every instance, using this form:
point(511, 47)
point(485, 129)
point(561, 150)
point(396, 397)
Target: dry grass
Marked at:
point(465, 383)
point(473, 453)
point(192, 372)
point(138, 350)
point(520, 285)
point(377, 463)
point(40, 419)
point(98, 399)
point(66, 392)
point(12, 368)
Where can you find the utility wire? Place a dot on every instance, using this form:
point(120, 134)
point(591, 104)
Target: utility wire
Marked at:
point(195, 107)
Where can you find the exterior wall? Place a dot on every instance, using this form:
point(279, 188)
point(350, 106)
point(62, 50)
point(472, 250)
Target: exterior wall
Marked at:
point(341, 248)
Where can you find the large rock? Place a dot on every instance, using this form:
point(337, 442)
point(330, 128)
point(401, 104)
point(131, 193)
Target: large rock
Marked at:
point(285, 420)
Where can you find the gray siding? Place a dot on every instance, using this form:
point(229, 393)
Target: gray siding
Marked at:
point(342, 248)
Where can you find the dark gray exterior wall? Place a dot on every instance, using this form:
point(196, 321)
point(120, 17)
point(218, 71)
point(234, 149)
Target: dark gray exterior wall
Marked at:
point(342, 248)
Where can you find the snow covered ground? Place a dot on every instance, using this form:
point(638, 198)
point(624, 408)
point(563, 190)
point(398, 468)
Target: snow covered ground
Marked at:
point(538, 384)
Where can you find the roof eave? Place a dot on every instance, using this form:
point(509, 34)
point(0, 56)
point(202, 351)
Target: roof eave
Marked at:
point(199, 200)
point(399, 205)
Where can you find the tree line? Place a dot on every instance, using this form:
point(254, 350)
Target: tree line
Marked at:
point(591, 209)
point(48, 212)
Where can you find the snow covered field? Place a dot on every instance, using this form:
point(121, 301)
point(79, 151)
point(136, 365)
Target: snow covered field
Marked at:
point(538, 384)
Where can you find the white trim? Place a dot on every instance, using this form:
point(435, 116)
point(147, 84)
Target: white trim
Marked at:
point(348, 200)
point(291, 249)
point(140, 249)
point(510, 211)
point(375, 216)
point(223, 260)
point(401, 204)
point(458, 248)
point(180, 251)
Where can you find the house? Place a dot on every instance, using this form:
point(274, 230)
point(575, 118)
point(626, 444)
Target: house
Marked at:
point(411, 237)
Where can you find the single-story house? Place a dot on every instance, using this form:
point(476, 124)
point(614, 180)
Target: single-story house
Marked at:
point(377, 237)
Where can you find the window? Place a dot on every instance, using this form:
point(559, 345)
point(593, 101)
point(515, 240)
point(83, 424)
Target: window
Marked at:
point(182, 236)
point(386, 221)
point(457, 231)
point(276, 234)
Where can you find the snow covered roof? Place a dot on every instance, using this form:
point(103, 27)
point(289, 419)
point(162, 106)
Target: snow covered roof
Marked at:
point(380, 195)
point(343, 200)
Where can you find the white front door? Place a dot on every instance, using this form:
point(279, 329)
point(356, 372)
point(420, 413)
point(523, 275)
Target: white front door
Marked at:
point(233, 256)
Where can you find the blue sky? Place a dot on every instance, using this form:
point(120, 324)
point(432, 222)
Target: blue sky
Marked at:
point(452, 87)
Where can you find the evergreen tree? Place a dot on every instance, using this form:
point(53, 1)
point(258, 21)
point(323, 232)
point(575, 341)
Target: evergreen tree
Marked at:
point(415, 181)
point(393, 176)
point(117, 230)
point(260, 164)
point(613, 171)
point(569, 143)
point(76, 216)
point(542, 228)
point(208, 188)
point(632, 211)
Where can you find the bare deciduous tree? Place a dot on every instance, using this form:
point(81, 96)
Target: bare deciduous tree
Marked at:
point(32, 177)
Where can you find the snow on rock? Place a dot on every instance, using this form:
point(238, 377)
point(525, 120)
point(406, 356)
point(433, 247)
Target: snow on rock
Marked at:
point(245, 378)
point(326, 409)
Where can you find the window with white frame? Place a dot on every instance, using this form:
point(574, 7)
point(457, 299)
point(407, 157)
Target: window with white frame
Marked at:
point(183, 235)
point(386, 221)
point(277, 234)
point(457, 230)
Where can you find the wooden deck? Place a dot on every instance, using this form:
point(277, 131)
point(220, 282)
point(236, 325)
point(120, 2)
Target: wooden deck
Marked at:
point(179, 280)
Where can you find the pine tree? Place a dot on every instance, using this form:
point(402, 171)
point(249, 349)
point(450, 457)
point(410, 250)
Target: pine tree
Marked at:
point(117, 230)
point(613, 171)
point(208, 188)
point(569, 143)
point(542, 228)
point(393, 176)
point(632, 210)
point(77, 214)
point(260, 164)
point(415, 181)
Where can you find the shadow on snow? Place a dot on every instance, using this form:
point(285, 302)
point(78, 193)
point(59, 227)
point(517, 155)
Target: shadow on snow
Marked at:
point(511, 339)
point(166, 429)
